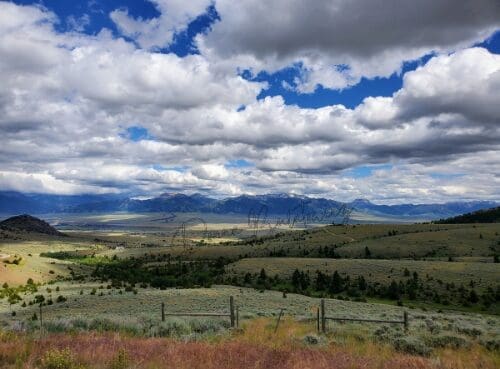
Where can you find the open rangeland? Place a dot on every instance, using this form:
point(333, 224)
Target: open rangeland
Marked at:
point(95, 307)
point(101, 280)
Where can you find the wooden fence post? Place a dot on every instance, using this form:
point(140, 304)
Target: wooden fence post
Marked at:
point(317, 319)
point(323, 319)
point(405, 320)
point(237, 316)
point(162, 311)
point(231, 310)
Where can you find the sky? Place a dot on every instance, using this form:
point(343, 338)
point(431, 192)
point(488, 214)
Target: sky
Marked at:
point(394, 101)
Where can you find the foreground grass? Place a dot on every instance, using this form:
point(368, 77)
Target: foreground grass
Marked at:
point(256, 345)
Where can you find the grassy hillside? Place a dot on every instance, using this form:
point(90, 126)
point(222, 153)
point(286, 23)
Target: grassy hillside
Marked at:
point(386, 241)
point(460, 285)
point(383, 241)
point(28, 224)
point(31, 265)
point(482, 274)
point(480, 216)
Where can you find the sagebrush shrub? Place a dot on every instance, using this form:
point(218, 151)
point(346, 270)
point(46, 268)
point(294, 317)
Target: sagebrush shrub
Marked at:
point(448, 341)
point(411, 345)
point(173, 327)
point(59, 359)
point(311, 339)
point(469, 330)
point(492, 344)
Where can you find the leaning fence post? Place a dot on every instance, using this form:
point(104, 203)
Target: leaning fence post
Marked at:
point(317, 319)
point(231, 310)
point(405, 320)
point(278, 322)
point(323, 319)
point(162, 311)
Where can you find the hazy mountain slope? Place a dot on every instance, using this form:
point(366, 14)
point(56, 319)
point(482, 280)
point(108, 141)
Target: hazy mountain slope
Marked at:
point(259, 205)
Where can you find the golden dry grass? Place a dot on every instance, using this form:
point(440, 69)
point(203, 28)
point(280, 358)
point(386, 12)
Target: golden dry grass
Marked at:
point(256, 346)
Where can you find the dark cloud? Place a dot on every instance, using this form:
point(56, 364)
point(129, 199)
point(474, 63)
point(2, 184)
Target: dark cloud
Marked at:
point(288, 28)
point(367, 38)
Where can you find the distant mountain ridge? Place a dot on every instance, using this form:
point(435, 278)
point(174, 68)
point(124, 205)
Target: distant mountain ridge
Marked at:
point(271, 204)
point(17, 203)
point(421, 210)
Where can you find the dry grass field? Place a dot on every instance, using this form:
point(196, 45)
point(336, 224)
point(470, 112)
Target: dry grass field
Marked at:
point(32, 265)
point(140, 315)
point(256, 346)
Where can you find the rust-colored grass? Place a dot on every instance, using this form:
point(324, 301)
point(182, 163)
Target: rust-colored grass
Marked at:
point(256, 346)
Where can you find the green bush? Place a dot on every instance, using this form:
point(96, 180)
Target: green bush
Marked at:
point(411, 345)
point(492, 344)
point(57, 326)
point(59, 359)
point(469, 330)
point(103, 325)
point(448, 341)
point(173, 327)
point(208, 325)
point(433, 326)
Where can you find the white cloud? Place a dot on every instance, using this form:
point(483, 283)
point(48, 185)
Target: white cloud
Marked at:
point(371, 38)
point(66, 97)
point(158, 32)
point(211, 171)
point(44, 183)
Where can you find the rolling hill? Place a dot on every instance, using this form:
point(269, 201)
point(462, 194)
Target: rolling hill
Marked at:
point(28, 224)
point(481, 216)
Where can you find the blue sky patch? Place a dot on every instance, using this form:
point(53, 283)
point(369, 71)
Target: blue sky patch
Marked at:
point(238, 163)
point(366, 170)
point(349, 97)
point(136, 133)
point(177, 168)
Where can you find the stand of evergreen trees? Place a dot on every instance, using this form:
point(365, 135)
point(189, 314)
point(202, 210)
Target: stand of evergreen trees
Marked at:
point(172, 273)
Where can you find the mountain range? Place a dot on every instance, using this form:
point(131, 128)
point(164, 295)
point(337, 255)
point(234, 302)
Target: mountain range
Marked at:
point(271, 204)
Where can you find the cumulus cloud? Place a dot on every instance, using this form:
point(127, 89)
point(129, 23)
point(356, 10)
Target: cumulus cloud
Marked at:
point(66, 99)
point(211, 171)
point(44, 183)
point(340, 41)
point(158, 32)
